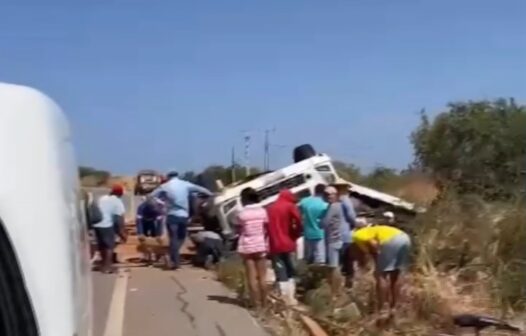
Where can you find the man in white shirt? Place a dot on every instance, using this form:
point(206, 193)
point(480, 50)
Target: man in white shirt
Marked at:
point(112, 210)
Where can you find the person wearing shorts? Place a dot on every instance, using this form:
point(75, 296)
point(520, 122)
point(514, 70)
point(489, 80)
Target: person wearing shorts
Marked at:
point(112, 223)
point(313, 210)
point(252, 223)
point(332, 223)
point(390, 248)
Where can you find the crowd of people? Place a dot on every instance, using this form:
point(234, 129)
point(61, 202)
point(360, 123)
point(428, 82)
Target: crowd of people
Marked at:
point(325, 224)
point(332, 236)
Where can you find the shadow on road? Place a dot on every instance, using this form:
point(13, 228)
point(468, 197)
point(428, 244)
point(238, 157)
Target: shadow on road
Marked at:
point(226, 300)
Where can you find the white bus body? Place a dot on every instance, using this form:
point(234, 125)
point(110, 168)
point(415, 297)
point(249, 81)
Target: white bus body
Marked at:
point(300, 178)
point(42, 224)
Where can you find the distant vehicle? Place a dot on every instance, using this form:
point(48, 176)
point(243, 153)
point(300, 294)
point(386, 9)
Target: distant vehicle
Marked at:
point(146, 181)
point(45, 282)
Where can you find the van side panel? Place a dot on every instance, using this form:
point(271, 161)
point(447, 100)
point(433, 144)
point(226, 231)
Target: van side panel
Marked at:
point(39, 207)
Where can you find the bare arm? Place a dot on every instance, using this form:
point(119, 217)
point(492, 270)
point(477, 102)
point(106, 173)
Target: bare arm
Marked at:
point(198, 189)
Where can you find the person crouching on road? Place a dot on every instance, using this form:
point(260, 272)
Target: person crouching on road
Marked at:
point(332, 223)
point(312, 210)
point(209, 248)
point(176, 193)
point(149, 222)
point(252, 222)
point(284, 228)
point(389, 247)
point(112, 210)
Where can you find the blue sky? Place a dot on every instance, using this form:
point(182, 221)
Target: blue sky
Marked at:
point(173, 84)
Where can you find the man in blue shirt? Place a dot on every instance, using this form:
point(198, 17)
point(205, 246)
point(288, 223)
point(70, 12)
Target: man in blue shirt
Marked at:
point(349, 223)
point(176, 194)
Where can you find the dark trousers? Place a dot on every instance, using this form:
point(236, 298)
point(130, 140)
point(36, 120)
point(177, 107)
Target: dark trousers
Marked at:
point(283, 266)
point(176, 227)
point(208, 247)
point(346, 260)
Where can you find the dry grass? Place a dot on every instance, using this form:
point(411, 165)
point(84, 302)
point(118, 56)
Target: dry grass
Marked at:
point(468, 257)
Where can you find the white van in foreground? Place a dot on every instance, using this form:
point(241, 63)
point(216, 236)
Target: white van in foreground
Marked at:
point(45, 284)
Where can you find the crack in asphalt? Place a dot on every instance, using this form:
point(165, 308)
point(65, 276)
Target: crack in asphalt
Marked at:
point(185, 303)
point(220, 330)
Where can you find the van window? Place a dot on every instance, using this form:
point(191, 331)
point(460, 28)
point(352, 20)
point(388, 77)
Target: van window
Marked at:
point(302, 194)
point(327, 174)
point(16, 312)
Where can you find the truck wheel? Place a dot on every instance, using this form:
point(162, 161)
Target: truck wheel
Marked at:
point(303, 152)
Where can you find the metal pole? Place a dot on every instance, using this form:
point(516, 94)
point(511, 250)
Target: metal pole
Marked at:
point(266, 157)
point(247, 152)
point(233, 164)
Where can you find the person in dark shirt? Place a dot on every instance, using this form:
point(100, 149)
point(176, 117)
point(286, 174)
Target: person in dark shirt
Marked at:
point(149, 223)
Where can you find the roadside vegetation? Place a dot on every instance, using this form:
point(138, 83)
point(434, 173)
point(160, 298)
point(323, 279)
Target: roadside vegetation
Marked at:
point(468, 254)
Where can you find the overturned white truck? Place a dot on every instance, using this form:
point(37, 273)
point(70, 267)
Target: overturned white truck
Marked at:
point(301, 178)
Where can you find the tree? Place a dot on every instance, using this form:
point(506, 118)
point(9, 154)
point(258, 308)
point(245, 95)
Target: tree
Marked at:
point(348, 171)
point(474, 147)
point(93, 177)
point(384, 179)
point(208, 177)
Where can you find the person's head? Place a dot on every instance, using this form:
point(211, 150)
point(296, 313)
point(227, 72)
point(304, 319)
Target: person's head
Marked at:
point(117, 190)
point(343, 188)
point(358, 254)
point(389, 217)
point(332, 194)
point(249, 196)
point(287, 195)
point(319, 190)
point(172, 175)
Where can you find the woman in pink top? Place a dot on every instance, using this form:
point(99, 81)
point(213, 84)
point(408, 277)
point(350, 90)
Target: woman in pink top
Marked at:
point(252, 245)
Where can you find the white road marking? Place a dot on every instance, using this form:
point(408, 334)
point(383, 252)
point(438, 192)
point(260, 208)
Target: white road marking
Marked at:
point(115, 321)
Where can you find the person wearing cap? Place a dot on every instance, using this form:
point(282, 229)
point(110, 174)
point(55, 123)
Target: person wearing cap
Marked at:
point(176, 194)
point(112, 210)
point(389, 247)
point(332, 223)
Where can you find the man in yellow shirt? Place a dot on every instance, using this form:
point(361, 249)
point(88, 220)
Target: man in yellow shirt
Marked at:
point(389, 247)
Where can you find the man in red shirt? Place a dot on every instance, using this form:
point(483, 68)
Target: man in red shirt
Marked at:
point(284, 228)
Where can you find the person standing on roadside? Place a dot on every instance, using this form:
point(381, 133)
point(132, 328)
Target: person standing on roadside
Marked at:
point(252, 221)
point(348, 225)
point(332, 223)
point(284, 227)
point(313, 210)
point(112, 210)
point(176, 194)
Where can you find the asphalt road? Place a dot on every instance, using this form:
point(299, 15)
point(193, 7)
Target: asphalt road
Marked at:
point(149, 301)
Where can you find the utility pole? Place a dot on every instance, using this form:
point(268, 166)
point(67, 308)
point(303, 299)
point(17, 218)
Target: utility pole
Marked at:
point(266, 158)
point(233, 172)
point(247, 153)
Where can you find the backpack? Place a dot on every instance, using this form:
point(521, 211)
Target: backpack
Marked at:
point(93, 213)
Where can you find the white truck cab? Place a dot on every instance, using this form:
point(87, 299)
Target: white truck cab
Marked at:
point(45, 282)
